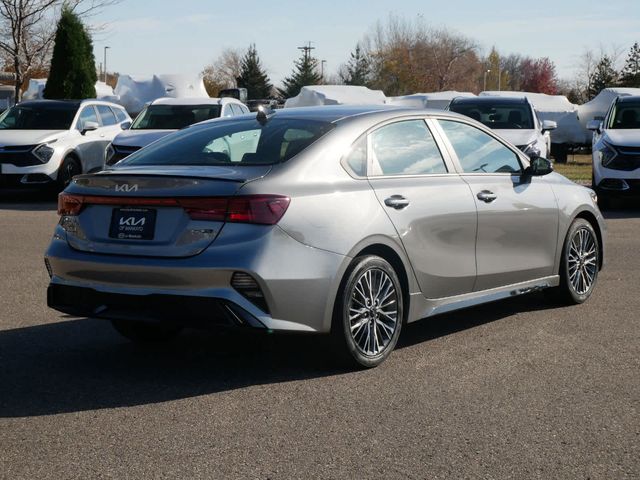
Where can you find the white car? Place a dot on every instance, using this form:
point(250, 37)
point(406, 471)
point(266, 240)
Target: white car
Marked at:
point(166, 115)
point(47, 142)
point(616, 150)
point(513, 117)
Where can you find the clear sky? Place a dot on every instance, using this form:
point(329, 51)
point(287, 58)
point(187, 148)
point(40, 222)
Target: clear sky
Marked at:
point(182, 36)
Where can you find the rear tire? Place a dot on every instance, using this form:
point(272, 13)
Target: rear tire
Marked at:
point(143, 332)
point(369, 313)
point(579, 263)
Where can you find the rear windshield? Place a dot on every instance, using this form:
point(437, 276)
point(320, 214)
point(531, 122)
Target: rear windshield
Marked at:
point(625, 116)
point(511, 116)
point(39, 117)
point(232, 142)
point(174, 117)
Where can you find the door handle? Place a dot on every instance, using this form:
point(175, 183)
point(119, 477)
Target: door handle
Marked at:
point(396, 201)
point(487, 196)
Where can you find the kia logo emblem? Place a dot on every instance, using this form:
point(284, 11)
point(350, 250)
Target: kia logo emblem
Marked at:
point(125, 187)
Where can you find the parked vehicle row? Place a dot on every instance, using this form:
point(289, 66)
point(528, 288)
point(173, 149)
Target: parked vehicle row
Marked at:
point(348, 221)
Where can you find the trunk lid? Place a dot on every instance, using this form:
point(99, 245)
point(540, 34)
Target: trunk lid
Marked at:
point(143, 212)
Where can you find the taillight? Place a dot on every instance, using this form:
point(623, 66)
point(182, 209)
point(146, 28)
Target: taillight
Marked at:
point(256, 209)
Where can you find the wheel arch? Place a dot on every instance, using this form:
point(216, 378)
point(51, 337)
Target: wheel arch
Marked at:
point(593, 221)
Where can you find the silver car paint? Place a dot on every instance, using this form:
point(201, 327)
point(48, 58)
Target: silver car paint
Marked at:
point(334, 216)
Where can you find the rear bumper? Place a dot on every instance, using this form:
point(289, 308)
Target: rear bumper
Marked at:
point(298, 282)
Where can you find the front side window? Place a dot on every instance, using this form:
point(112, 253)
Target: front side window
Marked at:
point(479, 152)
point(405, 148)
point(625, 116)
point(173, 117)
point(498, 115)
point(88, 114)
point(107, 116)
point(235, 142)
point(57, 116)
point(120, 115)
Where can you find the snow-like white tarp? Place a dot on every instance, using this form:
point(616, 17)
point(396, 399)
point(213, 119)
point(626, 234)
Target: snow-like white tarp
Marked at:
point(105, 92)
point(315, 95)
point(437, 100)
point(556, 108)
point(34, 89)
point(600, 104)
point(134, 92)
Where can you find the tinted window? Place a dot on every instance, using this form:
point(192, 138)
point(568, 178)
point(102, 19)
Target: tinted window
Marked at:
point(107, 116)
point(357, 157)
point(498, 115)
point(173, 117)
point(54, 116)
point(405, 148)
point(625, 116)
point(88, 114)
point(479, 152)
point(236, 142)
point(121, 116)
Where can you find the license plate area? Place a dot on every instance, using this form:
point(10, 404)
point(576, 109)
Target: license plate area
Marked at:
point(133, 223)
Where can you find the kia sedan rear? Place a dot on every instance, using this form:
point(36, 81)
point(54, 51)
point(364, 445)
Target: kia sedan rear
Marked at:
point(348, 221)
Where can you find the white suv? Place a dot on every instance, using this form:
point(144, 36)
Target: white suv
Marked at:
point(166, 115)
point(616, 150)
point(47, 142)
point(514, 119)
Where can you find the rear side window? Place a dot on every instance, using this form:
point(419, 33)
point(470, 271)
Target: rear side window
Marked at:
point(234, 142)
point(405, 148)
point(107, 116)
point(479, 152)
point(356, 159)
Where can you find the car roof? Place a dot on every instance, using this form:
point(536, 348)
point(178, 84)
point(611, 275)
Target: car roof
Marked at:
point(193, 101)
point(52, 103)
point(489, 99)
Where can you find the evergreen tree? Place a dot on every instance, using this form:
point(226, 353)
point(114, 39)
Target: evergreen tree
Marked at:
point(253, 77)
point(630, 75)
point(73, 71)
point(305, 73)
point(358, 70)
point(604, 76)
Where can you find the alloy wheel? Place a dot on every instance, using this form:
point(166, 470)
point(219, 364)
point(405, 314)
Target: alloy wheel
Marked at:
point(373, 312)
point(582, 261)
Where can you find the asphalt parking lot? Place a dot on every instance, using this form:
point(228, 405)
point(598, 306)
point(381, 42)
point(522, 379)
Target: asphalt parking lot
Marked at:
point(517, 389)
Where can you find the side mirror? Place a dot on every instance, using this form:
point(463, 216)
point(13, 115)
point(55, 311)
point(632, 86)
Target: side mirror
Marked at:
point(594, 125)
point(548, 125)
point(539, 166)
point(89, 127)
point(125, 125)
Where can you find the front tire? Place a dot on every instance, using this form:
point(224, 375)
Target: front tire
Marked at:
point(70, 168)
point(369, 313)
point(144, 333)
point(579, 264)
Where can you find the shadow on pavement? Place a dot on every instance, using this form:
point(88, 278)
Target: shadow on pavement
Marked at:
point(28, 200)
point(79, 365)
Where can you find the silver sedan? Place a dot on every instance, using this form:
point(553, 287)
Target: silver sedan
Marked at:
point(348, 221)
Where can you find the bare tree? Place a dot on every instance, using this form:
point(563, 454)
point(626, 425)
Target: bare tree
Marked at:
point(223, 72)
point(27, 29)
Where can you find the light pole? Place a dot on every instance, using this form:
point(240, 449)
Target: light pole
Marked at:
point(322, 62)
point(105, 64)
point(499, 79)
point(484, 83)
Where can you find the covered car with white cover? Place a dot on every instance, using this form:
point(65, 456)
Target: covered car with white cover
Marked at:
point(597, 108)
point(315, 95)
point(437, 100)
point(136, 92)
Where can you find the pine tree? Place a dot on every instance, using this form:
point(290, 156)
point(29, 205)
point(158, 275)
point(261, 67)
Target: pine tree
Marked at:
point(630, 75)
point(305, 73)
point(73, 71)
point(253, 77)
point(358, 70)
point(604, 76)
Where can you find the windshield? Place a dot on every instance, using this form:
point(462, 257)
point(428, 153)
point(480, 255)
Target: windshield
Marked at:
point(233, 142)
point(173, 117)
point(39, 117)
point(511, 116)
point(625, 116)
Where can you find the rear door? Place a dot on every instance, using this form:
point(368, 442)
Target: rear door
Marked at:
point(429, 204)
point(517, 215)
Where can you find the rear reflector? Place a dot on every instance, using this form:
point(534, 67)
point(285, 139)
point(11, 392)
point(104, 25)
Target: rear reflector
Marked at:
point(257, 209)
